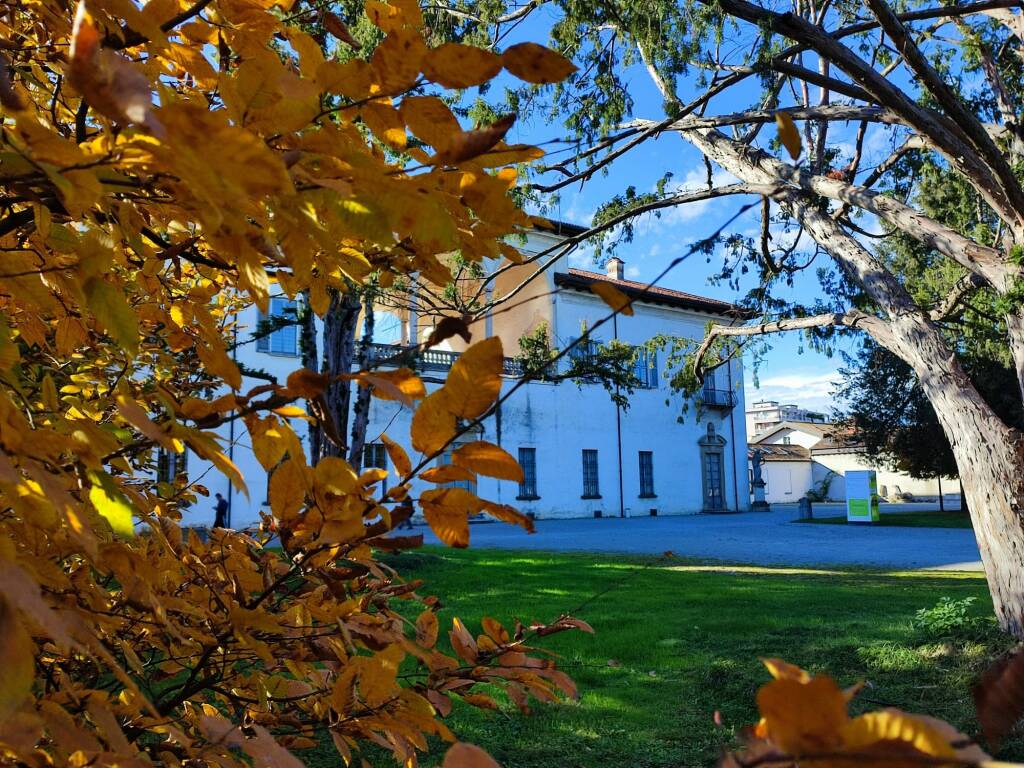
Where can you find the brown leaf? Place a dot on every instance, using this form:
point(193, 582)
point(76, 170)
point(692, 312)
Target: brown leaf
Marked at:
point(536, 64)
point(470, 144)
point(338, 28)
point(488, 459)
point(448, 327)
point(111, 84)
point(999, 697)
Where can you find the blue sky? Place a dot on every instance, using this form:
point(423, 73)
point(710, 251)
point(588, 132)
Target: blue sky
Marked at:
point(789, 372)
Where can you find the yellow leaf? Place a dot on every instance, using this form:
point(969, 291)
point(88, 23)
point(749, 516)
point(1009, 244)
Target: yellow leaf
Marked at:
point(269, 441)
point(108, 500)
point(454, 65)
point(393, 16)
point(613, 297)
point(788, 134)
point(18, 653)
point(111, 310)
point(287, 493)
point(464, 755)
point(433, 424)
point(474, 381)
point(135, 415)
point(430, 120)
point(488, 459)
point(334, 476)
point(536, 64)
point(892, 725)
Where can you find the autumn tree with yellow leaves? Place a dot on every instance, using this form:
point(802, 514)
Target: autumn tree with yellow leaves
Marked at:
point(162, 165)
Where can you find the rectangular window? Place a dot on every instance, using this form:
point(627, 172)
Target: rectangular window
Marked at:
point(591, 490)
point(284, 340)
point(646, 474)
point(375, 455)
point(528, 461)
point(646, 368)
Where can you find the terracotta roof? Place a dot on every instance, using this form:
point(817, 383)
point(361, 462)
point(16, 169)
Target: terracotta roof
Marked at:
point(582, 279)
point(841, 437)
point(778, 452)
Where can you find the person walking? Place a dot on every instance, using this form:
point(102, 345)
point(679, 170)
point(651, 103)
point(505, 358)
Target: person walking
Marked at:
point(220, 519)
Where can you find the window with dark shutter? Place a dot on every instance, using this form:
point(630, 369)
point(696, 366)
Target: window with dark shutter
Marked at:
point(528, 461)
point(646, 474)
point(591, 490)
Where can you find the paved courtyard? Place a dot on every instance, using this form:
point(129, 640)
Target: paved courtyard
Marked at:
point(754, 537)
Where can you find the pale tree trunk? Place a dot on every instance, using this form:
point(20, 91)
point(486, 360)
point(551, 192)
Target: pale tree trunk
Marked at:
point(361, 409)
point(1015, 331)
point(989, 458)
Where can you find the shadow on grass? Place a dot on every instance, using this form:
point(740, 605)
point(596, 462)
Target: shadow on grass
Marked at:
point(677, 641)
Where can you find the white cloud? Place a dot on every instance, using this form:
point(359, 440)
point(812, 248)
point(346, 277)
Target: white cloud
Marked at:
point(632, 273)
point(808, 390)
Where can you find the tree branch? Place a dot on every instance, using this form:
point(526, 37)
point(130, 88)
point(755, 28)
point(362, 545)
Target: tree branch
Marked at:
point(875, 326)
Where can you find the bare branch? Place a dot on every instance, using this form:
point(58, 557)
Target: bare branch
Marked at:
point(963, 117)
point(853, 319)
point(963, 287)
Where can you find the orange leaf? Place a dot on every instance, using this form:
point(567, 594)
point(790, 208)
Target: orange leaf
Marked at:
point(464, 755)
point(613, 297)
point(488, 459)
point(474, 381)
point(803, 717)
point(454, 65)
point(788, 134)
point(536, 64)
point(397, 455)
point(447, 474)
point(426, 629)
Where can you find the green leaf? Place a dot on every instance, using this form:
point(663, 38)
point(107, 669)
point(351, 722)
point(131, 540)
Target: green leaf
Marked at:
point(111, 503)
point(111, 310)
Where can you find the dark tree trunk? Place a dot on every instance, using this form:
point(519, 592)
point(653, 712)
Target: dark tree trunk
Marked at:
point(361, 409)
point(340, 326)
point(310, 360)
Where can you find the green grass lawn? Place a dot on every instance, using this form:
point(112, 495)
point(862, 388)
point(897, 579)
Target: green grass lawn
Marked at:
point(675, 643)
point(906, 520)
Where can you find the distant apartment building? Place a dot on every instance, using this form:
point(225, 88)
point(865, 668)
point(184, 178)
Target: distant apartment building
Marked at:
point(768, 414)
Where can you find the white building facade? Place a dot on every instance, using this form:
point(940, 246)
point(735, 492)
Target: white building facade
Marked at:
point(581, 454)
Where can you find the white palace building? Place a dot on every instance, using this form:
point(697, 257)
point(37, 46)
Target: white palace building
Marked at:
point(582, 455)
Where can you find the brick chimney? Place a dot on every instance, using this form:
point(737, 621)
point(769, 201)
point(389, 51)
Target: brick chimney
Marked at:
point(616, 268)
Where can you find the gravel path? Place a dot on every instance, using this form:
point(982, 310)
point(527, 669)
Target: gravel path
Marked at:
point(762, 538)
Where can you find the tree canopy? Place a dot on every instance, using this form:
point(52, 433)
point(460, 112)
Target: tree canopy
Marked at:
point(162, 166)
